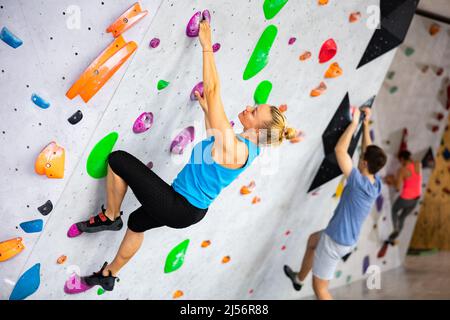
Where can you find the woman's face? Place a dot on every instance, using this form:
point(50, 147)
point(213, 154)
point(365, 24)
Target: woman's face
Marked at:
point(255, 117)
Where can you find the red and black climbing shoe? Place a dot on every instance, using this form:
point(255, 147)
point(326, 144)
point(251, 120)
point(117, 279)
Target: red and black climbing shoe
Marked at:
point(100, 222)
point(98, 279)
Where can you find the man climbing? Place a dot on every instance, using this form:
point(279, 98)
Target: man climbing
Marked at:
point(325, 248)
point(409, 180)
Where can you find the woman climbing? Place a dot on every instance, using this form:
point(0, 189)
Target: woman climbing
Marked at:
point(214, 163)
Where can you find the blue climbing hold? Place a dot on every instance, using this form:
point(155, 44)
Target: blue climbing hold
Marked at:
point(32, 226)
point(446, 154)
point(27, 284)
point(379, 202)
point(9, 38)
point(39, 101)
point(366, 264)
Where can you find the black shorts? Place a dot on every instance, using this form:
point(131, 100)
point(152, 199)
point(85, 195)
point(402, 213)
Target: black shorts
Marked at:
point(161, 205)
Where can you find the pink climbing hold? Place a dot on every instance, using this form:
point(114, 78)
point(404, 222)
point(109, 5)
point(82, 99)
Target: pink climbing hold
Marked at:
point(198, 87)
point(150, 165)
point(216, 47)
point(154, 43)
point(328, 51)
point(232, 123)
point(75, 285)
point(206, 16)
point(193, 26)
point(73, 231)
point(180, 142)
point(292, 40)
point(143, 122)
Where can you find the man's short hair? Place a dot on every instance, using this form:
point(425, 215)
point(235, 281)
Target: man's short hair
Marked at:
point(376, 158)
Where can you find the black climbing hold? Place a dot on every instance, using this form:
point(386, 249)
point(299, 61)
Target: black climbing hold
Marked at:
point(428, 159)
point(396, 17)
point(344, 258)
point(76, 117)
point(46, 208)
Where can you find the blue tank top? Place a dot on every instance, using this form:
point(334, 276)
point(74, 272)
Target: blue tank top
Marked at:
point(202, 179)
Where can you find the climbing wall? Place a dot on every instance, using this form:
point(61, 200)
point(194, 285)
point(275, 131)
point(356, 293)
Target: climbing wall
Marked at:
point(239, 249)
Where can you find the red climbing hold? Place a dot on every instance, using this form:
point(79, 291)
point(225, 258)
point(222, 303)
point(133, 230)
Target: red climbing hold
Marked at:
point(354, 17)
point(328, 51)
point(283, 108)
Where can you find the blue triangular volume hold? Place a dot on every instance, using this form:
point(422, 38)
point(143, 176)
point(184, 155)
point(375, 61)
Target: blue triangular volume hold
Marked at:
point(27, 284)
point(32, 226)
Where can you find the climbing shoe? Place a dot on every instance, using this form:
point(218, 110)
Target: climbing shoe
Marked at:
point(98, 279)
point(99, 223)
point(293, 276)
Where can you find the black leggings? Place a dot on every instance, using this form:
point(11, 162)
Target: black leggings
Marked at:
point(161, 204)
point(406, 206)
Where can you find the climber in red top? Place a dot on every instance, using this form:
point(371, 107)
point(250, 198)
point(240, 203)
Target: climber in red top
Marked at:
point(409, 180)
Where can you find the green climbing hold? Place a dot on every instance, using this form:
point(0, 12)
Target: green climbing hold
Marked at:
point(97, 164)
point(409, 51)
point(175, 258)
point(391, 75)
point(338, 274)
point(349, 278)
point(272, 7)
point(393, 89)
point(100, 291)
point(162, 84)
point(262, 92)
point(260, 56)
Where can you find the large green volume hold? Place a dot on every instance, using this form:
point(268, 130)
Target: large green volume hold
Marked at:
point(272, 7)
point(260, 56)
point(262, 92)
point(97, 165)
point(175, 258)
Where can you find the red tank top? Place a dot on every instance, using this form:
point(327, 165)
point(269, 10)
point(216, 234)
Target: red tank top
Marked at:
point(412, 186)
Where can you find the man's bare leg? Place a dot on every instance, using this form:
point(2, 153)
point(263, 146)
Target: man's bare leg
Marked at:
point(321, 289)
point(308, 258)
point(116, 188)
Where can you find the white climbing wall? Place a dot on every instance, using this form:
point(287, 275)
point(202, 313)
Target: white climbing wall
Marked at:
point(253, 235)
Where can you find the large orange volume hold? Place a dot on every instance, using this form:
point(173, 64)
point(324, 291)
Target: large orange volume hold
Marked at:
point(51, 161)
point(127, 20)
point(10, 248)
point(101, 69)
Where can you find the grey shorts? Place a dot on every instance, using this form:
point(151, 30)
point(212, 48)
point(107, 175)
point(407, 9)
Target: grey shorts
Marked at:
point(327, 256)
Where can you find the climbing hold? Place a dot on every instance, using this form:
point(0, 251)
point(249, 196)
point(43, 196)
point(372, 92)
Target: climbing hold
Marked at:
point(379, 202)
point(75, 284)
point(305, 56)
point(250, 291)
point(256, 200)
point(162, 84)
point(434, 29)
point(32, 226)
point(216, 47)
point(50, 161)
point(288, 232)
point(319, 90)
point(446, 154)
point(328, 51)
point(193, 26)
point(101, 69)
point(100, 291)
point(198, 87)
point(283, 108)
point(177, 294)
point(354, 17)
point(150, 165)
point(39, 101)
point(382, 252)
point(323, 2)
point(393, 89)
point(27, 284)
point(391, 75)
point(334, 71)
point(345, 258)
point(61, 259)
point(425, 68)
point(76, 117)
point(206, 16)
point(232, 123)
point(340, 188)
point(338, 274)
point(175, 258)
point(439, 71)
point(366, 264)
point(349, 278)
point(206, 243)
point(154, 43)
point(292, 40)
point(97, 162)
point(127, 20)
point(272, 7)
point(434, 128)
point(262, 92)
point(143, 122)
point(10, 248)
point(300, 136)
point(180, 142)
point(248, 189)
point(283, 248)
point(46, 208)
point(9, 38)
point(439, 116)
point(409, 51)
point(226, 259)
point(260, 56)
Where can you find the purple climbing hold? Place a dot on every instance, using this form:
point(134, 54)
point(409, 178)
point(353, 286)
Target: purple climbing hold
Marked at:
point(379, 202)
point(180, 142)
point(216, 47)
point(150, 165)
point(154, 43)
point(292, 40)
point(232, 123)
point(206, 16)
point(143, 122)
point(366, 264)
point(372, 135)
point(75, 284)
point(198, 87)
point(193, 26)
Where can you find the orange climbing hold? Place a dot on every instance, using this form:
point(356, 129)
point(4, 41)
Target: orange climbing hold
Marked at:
point(305, 56)
point(256, 200)
point(61, 259)
point(334, 71)
point(51, 161)
point(10, 248)
point(206, 243)
point(127, 20)
point(248, 189)
point(177, 294)
point(101, 69)
point(323, 2)
point(354, 17)
point(434, 29)
point(319, 90)
point(226, 259)
point(283, 108)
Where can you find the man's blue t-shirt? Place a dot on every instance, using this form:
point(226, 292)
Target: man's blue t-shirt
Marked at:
point(356, 201)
